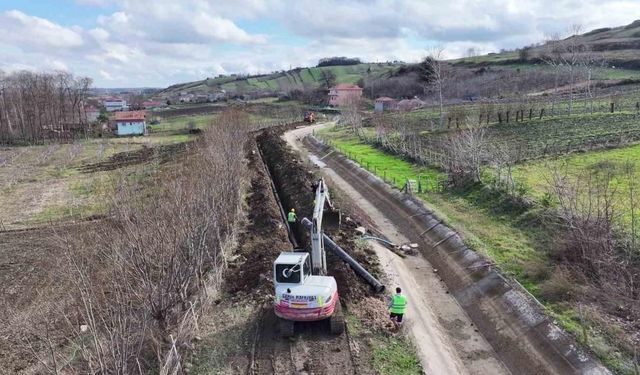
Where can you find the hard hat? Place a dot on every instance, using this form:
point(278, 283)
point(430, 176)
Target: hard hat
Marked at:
point(293, 210)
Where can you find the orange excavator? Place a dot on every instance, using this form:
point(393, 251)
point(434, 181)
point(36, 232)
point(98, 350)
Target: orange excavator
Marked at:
point(309, 117)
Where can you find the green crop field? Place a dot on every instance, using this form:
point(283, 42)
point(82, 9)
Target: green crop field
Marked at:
point(533, 139)
point(537, 176)
point(283, 81)
point(518, 248)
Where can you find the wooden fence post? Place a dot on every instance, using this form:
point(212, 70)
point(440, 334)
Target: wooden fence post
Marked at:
point(530, 113)
point(612, 107)
point(499, 117)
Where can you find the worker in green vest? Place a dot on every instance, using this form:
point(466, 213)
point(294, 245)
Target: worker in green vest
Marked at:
point(397, 307)
point(292, 217)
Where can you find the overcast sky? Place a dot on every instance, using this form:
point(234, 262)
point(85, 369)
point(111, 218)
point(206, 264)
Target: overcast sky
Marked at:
point(133, 43)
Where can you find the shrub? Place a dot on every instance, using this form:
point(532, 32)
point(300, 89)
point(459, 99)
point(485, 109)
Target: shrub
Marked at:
point(559, 287)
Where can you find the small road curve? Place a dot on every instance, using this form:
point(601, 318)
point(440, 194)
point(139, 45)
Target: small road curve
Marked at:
point(445, 338)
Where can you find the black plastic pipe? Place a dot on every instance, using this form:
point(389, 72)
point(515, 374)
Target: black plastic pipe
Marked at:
point(329, 244)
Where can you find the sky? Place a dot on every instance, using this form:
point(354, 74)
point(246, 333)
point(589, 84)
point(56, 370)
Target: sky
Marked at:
point(140, 43)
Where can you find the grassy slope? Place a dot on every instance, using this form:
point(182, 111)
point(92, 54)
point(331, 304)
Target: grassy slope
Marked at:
point(518, 250)
point(601, 40)
point(536, 175)
point(491, 235)
point(297, 78)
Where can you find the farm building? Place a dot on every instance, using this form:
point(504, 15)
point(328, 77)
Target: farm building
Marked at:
point(130, 123)
point(385, 104)
point(115, 104)
point(340, 95)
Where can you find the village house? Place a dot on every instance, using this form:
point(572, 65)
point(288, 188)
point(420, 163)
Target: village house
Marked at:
point(115, 104)
point(385, 104)
point(341, 94)
point(152, 104)
point(130, 123)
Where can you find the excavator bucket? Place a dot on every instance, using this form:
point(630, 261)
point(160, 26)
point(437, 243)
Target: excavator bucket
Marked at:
point(331, 219)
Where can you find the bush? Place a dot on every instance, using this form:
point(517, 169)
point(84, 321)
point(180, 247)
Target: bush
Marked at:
point(559, 287)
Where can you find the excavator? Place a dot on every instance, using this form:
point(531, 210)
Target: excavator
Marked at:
point(309, 116)
point(303, 291)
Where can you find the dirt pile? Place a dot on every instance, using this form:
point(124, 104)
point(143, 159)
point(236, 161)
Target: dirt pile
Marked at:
point(265, 235)
point(242, 334)
point(162, 153)
point(292, 179)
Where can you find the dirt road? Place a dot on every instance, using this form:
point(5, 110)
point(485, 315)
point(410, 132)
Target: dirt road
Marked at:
point(445, 337)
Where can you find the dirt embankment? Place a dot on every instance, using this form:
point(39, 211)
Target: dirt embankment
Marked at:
point(242, 336)
point(163, 154)
point(294, 181)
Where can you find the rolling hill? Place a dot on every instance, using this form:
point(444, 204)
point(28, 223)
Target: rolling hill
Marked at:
point(299, 78)
point(618, 48)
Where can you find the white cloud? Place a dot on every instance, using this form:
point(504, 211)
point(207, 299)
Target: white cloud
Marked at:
point(160, 42)
point(31, 32)
point(106, 75)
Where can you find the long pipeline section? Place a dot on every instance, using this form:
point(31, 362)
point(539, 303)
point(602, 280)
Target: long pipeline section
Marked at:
point(329, 244)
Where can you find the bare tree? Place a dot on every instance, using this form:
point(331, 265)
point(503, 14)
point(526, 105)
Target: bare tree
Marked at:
point(435, 62)
point(350, 112)
point(34, 106)
point(567, 54)
point(142, 278)
point(465, 152)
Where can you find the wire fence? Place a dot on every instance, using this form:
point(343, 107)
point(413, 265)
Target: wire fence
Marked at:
point(407, 182)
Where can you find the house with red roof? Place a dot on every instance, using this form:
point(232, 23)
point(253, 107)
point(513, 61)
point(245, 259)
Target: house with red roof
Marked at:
point(341, 94)
point(385, 104)
point(130, 123)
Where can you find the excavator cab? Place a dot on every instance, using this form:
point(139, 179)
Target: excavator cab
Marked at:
point(301, 296)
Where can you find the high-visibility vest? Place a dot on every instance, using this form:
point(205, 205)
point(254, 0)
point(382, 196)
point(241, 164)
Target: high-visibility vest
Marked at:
point(398, 304)
point(291, 217)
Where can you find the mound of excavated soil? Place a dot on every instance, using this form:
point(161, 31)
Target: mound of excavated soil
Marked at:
point(292, 180)
point(294, 183)
point(162, 153)
point(265, 235)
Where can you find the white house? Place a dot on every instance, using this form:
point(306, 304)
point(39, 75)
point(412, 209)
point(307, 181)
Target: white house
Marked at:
point(115, 104)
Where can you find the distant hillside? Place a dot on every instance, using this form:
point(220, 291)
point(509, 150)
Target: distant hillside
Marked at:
point(299, 78)
point(620, 47)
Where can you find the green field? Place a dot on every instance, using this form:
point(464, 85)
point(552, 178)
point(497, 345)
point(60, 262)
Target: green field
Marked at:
point(537, 176)
point(511, 239)
point(529, 139)
point(300, 78)
point(492, 234)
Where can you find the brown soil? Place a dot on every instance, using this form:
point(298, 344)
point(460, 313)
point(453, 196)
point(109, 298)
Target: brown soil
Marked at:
point(32, 298)
point(249, 284)
point(162, 153)
point(292, 179)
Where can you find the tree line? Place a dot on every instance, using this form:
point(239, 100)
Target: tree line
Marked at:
point(38, 106)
